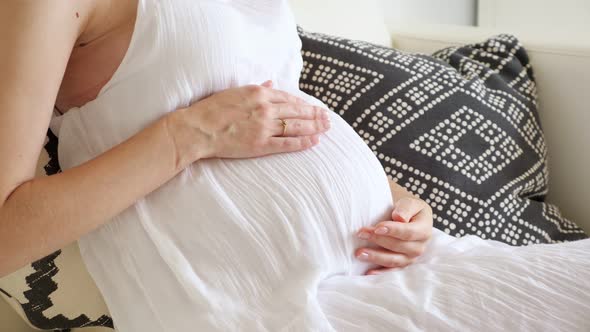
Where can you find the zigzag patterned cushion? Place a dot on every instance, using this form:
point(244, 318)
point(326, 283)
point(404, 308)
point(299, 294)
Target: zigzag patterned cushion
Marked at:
point(459, 129)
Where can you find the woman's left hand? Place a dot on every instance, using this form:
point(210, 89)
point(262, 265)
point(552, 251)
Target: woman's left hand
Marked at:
point(400, 240)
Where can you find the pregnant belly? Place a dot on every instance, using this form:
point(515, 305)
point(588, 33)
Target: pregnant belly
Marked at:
point(228, 229)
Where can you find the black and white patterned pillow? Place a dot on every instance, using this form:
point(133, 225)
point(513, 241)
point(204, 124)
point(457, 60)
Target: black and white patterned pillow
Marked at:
point(460, 129)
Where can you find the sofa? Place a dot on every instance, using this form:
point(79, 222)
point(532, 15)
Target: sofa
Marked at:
point(562, 70)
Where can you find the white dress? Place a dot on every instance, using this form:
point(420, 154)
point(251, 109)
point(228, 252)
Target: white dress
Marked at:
point(267, 244)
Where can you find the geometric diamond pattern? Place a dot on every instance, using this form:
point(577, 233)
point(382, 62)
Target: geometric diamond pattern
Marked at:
point(459, 129)
point(443, 145)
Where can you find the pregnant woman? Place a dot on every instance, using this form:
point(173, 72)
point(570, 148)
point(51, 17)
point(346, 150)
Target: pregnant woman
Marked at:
point(208, 193)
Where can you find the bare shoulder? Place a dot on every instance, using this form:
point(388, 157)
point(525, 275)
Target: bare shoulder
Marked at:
point(28, 14)
point(36, 39)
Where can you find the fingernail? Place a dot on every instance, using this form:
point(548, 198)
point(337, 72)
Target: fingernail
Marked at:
point(315, 139)
point(363, 256)
point(364, 235)
point(327, 124)
point(324, 115)
point(399, 217)
point(381, 230)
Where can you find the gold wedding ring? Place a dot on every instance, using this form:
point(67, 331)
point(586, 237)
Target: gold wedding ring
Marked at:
point(284, 124)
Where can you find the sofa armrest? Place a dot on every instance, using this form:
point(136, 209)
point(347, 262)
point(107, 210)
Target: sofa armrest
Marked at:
point(562, 72)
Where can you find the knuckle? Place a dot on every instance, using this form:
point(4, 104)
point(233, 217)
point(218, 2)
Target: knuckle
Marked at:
point(264, 111)
point(403, 234)
point(290, 144)
point(313, 112)
point(404, 263)
point(317, 126)
point(255, 91)
point(291, 99)
point(416, 251)
point(390, 225)
point(258, 141)
point(263, 134)
point(392, 261)
point(318, 112)
point(301, 101)
point(299, 111)
point(294, 127)
point(306, 142)
point(420, 250)
point(407, 234)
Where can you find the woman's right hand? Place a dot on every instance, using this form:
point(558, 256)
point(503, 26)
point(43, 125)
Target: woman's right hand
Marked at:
point(246, 122)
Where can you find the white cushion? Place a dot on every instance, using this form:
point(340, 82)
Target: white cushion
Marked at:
point(353, 19)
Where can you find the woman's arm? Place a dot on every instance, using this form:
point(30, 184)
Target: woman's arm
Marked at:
point(35, 41)
point(40, 215)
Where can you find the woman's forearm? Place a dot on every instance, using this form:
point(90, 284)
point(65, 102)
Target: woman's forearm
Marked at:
point(45, 214)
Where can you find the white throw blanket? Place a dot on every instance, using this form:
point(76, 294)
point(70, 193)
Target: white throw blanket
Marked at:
point(267, 244)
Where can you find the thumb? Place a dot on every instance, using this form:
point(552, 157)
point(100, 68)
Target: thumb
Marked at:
point(400, 217)
point(406, 208)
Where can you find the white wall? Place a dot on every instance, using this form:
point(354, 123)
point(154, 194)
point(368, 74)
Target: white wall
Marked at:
point(462, 12)
point(354, 19)
point(554, 19)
